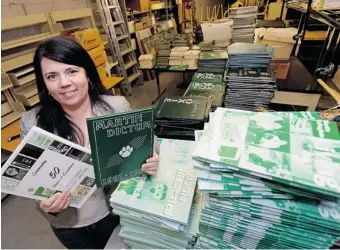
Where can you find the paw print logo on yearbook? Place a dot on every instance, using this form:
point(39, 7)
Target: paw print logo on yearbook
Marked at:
point(126, 151)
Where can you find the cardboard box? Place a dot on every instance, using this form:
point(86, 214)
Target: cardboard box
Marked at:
point(138, 5)
point(98, 55)
point(281, 69)
point(139, 26)
point(89, 38)
point(280, 39)
point(102, 73)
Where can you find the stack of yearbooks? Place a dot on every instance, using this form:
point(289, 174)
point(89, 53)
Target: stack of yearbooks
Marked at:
point(243, 23)
point(249, 88)
point(179, 117)
point(206, 45)
point(163, 54)
point(209, 85)
point(268, 181)
point(146, 61)
point(249, 55)
point(212, 61)
point(182, 40)
point(160, 211)
point(221, 45)
point(190, 58)
point(177, 54)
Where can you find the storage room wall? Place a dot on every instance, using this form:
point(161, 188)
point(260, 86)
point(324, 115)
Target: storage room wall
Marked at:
point(12, 8)
point(204, 4)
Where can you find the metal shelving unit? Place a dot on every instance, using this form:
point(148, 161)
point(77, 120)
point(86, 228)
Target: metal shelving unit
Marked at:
point(325, 67)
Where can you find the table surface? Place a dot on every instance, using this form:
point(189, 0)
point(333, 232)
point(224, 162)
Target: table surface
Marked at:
point(167, 69)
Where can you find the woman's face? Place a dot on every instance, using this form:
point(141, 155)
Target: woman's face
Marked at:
point(66, 83)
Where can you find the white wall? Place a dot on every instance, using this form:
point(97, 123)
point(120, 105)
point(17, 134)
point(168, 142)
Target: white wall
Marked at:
point(12, 8)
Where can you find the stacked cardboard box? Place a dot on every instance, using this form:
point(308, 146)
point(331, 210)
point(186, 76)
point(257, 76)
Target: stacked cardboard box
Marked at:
point(90, 40)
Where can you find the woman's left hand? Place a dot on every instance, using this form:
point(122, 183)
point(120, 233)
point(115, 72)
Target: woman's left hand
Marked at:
point(151, 165)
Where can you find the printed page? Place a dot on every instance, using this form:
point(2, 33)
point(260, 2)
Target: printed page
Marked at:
point(44, 164)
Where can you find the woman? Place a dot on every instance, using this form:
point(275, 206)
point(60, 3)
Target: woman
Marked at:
point(70, 91)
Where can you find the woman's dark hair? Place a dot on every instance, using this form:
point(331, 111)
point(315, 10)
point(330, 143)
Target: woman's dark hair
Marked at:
point(51, 117)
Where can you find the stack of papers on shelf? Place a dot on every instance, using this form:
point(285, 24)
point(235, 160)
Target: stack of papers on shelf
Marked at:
point(249, 55)
point(190, 58)
point(146, 61)
point(179, 117)
point(209, 85)
point(160, 211)
point(206, 45)
point(243, 23)
point(268, 181)
point(212, 61)
point(249, 88)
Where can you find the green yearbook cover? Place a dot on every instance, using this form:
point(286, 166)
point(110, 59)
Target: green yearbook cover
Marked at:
point(167, 195)
point(192, 108)
point(120, 144)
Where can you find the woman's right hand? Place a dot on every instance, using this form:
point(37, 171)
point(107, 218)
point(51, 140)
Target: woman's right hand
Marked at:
point(56, 202)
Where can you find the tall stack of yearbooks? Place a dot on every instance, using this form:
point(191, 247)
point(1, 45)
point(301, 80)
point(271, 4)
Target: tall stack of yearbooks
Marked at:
point(212, 61)
point(251, 84)
point(179, 117)
point(243, 23)
point(210, 85)
point(268, 181)
point(160, 211)
point(163, 54)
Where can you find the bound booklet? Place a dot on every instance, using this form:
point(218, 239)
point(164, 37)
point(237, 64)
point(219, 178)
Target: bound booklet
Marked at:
point(120, 144)
point(44, 164)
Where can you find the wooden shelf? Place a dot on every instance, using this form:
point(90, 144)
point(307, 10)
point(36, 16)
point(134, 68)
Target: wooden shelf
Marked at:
point(17, 60)
point(23, 80)
point(5, 82)
point(32, 101)
point(22, 21)
point(24, 71)
point(26, 91)
point(130, 64)
point(64, 15)
point(121, 37)
point(133, 77)
point(8, 119)
point(125, 51)
point(5, 109)
point(25, 40)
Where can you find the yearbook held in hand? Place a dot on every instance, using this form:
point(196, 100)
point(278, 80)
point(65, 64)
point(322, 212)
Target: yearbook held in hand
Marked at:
point(44, 164)
point(120, 144)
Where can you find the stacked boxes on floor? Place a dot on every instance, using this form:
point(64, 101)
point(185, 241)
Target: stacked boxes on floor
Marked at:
point(90, 40)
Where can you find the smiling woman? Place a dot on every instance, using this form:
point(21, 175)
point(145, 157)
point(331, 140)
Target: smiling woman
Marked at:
point(70, 91)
